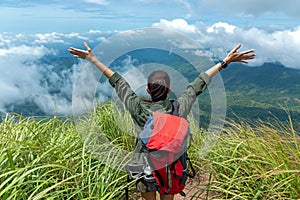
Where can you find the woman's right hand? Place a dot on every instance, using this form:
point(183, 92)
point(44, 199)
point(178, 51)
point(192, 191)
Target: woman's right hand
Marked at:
point(235, 56)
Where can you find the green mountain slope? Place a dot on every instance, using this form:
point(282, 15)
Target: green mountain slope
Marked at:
point(265, 92)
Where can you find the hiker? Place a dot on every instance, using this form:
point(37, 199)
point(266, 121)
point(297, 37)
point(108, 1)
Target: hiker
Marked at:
point(158, 87)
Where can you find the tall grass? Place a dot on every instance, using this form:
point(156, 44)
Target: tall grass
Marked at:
point(55, 158)
point(254, 162)
point(47, 158)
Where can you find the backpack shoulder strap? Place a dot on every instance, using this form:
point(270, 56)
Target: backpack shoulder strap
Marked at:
point(174, 108)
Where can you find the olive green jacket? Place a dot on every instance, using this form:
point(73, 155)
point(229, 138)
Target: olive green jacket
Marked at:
point(140, 110)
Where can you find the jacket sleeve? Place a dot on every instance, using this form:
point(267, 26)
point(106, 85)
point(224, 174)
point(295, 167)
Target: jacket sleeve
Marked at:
point(124, 92)
point(187, 99)
point(129, 98)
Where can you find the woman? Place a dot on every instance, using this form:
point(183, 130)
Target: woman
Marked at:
point(158, 87)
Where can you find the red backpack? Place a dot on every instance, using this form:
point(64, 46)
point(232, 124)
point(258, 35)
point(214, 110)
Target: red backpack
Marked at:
point(164, 140)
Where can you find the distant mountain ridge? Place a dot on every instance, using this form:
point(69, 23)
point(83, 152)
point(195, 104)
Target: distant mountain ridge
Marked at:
point(252, 92)
point(269, 75)
point(267, 92)
point(271, 83)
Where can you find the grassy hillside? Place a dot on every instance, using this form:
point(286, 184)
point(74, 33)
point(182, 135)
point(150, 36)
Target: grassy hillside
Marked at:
point(54, 158)
point(258, 93)
point(266, 86)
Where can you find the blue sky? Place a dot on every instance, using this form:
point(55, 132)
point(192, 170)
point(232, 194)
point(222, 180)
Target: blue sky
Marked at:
point(271, 27)
point(35, 16)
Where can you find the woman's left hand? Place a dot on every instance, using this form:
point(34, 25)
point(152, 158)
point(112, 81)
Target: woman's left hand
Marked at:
point(83, 54)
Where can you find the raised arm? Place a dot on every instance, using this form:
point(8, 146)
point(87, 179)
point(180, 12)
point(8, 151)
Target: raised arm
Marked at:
point(89, 56)
point(232, 56)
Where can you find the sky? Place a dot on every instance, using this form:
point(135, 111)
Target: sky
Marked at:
point(271, 27)
point(33, 29)
point(35, 16)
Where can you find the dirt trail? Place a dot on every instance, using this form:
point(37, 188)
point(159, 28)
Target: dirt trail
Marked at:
point(195, 189)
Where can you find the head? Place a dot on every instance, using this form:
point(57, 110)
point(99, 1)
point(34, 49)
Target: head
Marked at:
point(158, 85)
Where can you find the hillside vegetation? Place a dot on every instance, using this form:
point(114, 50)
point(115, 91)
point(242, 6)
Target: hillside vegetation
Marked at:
point(52, 158)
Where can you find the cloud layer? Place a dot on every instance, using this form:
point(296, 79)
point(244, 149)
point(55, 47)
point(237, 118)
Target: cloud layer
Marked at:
point(37, 71)
point(33, 66)
point(270, 44)
point(23, 81)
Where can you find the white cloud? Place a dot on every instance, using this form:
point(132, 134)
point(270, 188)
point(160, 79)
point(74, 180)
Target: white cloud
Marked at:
point(100, 2)
point(76, 35)
point(221, 25)
point(270, 45)
point(95, 31)
point(52, 38)
point(4, 41)
point(30, 52)
point(176, 24)
point(188, 6)
point(22, 80)
point(101, 39)
point(17, 81)
point(48, 38)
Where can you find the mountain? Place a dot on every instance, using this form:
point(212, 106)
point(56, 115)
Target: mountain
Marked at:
point(269, 76)
point(264, 92)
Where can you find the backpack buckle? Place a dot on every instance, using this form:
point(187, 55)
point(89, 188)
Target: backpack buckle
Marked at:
point(138, 170)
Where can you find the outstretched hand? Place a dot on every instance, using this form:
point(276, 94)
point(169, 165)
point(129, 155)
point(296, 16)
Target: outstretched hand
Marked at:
point(235, 56)
point(83, 54)
point(89, 56)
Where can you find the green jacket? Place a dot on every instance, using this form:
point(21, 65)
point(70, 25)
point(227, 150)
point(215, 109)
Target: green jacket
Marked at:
point(140, 110)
